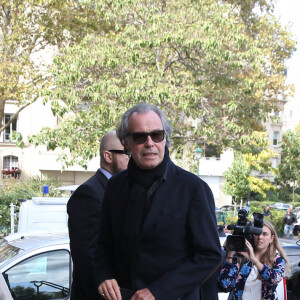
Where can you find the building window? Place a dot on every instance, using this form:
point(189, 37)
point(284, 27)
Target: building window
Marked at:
point(274, 162)
point(291, 114)
point(276, 113)
point(212, 151)
point(12, 127)
point(10, 162)
point(275, 138)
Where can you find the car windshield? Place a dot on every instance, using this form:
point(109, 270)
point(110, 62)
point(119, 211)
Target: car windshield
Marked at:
point(7, 251)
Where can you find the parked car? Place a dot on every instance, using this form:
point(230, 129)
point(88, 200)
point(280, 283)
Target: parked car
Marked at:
point(293, 279)
point(223, 212)
point(227, 208)
point(36, 266)
point(221, 217)
point(39, 266)
point(282, 206)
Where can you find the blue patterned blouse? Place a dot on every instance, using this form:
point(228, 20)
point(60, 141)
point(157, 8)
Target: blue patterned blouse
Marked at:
point(231, 278)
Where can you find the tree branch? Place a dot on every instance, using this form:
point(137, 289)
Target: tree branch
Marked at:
point(3, 127)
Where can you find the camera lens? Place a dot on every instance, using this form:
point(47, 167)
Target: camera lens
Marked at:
point(236, 243)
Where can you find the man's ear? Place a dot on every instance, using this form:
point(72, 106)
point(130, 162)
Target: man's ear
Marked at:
point(107, 156)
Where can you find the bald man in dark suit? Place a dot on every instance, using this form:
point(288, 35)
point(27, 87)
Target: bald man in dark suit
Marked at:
point(84, 209)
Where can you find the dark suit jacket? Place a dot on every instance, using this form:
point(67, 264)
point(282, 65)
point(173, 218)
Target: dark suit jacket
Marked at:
point(84, 209)
point(179, 247)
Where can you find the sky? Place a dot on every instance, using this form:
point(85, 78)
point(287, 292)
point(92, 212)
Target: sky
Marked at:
point(289, 13)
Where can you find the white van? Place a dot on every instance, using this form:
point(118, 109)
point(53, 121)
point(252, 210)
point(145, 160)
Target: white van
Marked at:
point(44, 214)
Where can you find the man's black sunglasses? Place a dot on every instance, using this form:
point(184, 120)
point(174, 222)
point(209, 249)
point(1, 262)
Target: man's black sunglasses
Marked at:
point(119, 151)
point(157, 136)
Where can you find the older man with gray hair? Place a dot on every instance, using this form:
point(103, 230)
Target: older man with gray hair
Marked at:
point(159, 233)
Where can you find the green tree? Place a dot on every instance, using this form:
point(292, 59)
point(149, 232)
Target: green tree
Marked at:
point(26, 28)
point(288, 171)
point(258, 155)
point(195, 59)
point(252, 159)
point(237, 183)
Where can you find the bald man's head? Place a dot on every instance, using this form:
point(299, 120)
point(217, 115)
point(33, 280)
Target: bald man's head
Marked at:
point(111, 157)
point(110, 141)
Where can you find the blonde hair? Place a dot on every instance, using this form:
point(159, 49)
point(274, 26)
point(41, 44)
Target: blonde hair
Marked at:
point(268, 257)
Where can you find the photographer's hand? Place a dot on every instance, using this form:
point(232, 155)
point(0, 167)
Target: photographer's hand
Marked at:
point(251, 256)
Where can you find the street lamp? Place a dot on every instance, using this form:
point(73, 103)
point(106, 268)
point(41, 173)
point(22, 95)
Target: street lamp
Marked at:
point(198, 155)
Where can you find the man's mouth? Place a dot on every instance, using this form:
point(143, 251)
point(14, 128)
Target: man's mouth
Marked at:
point(149, 154)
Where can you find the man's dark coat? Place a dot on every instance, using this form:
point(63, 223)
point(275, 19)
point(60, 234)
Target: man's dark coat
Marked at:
point(178, 247)
point(84, 209)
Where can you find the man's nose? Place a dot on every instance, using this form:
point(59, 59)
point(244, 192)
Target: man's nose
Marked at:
point(149, 141)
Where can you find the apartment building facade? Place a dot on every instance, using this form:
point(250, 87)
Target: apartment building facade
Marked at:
point(36, 161)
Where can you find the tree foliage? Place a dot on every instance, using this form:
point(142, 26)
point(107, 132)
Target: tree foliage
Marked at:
point(253, 156)
point(194, 59)
point(26, 28)
point(14, 190)
point(256, 151)
point(288, 171)
point(237, 183)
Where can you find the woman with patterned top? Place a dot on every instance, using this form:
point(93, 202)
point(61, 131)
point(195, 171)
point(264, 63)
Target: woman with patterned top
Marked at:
point(258, 273)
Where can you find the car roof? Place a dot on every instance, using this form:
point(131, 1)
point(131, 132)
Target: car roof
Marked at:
point(39, 240)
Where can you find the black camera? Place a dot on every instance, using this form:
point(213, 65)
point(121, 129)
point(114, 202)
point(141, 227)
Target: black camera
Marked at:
point(243, 230)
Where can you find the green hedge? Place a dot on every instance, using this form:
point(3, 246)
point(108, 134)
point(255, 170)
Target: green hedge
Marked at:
point(18, 189)
point(283, 194)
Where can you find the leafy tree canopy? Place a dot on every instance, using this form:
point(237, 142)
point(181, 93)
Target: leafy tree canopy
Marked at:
point(237, 183)
point(218, 63)
point(28, 27)
point(253, 156)
point(256, 151)
point(288, 171)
